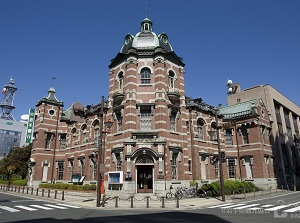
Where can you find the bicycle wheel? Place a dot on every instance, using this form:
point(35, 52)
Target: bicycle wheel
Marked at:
point(168, 195)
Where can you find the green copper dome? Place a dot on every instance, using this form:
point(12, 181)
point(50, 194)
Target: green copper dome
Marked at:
point(146, 39)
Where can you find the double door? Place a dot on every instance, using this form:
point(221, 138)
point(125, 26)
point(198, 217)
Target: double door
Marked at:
point(145, 178)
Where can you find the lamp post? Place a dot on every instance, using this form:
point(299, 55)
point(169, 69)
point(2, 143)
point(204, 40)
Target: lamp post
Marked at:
point(221, 154)
point(98, 143)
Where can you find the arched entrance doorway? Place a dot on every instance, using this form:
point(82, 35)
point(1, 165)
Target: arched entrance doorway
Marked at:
point(144, 168)
point(144, 178)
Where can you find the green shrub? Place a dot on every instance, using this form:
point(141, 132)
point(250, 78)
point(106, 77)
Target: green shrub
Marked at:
point(253, 186)
point(93, 187)
point(247, 187)
point(19, 182)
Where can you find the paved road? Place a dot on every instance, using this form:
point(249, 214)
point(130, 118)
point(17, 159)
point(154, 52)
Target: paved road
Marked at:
point(77, 207)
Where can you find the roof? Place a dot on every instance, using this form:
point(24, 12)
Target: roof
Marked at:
point(239, 110)
point(51, 98)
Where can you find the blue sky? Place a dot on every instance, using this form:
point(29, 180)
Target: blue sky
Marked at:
point(251, 42)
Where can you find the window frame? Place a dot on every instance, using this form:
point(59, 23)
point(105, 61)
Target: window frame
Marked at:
point(145, 76)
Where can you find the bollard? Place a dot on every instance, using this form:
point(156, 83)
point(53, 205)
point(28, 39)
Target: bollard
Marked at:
point(55, 194)
point(147, 204)
point(131, 201)
point(23, 190)
point(15, 189)
point(48, 193)
point(162, 201)
point(19, 189)
point(116, 202)
point(287, 186)
point(63, 195)
point(43, 192)
point(37, 191)
point(27, 190)
point(177, 202)
point(32, 191)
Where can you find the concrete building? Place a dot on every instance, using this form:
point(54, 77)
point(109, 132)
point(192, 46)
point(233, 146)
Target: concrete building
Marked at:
point(12, 132)
point(160, 137)
point(285, 130)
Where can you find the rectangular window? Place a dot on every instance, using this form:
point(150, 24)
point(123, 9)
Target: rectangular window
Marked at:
point(295, 123)
point(216, 163)
point(174, 165)
point(277, 108)
point(60, 170)
point(63, 141)
point(118, 158)
point(231, 168)
point(289, 132)
point(119, 118)
point(74, 142)
point(82, 166)
point(173, 120)
point(280, 129)
point(71, 167)
point(228, 136)
point(145, 118)
point(48, 140)
point(245, 136)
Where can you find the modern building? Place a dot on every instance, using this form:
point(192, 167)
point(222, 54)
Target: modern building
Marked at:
point(159, 137)
point(12, 132)
point(285, 130)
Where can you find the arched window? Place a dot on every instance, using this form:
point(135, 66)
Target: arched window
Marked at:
point(200, 125)
point(145, 76)
point(214, 130)
point(121, 79)
point(74, 136)
point(96, 129)
point(171, 78)
point(84, 136)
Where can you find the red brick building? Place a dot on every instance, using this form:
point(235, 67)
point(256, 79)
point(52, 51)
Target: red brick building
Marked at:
point(159, 135)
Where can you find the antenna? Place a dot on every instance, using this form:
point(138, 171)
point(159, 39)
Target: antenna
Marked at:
point(146, 9)
point(53, 78)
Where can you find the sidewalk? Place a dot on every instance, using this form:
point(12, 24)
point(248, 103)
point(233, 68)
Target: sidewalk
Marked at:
point(89, 200)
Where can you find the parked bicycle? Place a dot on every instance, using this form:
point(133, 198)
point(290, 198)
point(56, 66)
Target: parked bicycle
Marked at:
point(187, 192)
point(176, 194)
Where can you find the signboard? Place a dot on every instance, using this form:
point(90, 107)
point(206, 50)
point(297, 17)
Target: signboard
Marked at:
point(30, 125)
point(115, 177)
